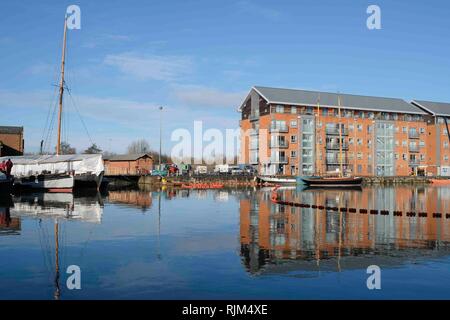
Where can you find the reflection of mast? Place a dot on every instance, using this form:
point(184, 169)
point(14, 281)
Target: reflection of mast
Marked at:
point(318, 238)
point(57, 289)
point(340, 233)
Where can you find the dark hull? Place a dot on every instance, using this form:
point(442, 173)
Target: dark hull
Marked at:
point(332, 182)
point(6, 187)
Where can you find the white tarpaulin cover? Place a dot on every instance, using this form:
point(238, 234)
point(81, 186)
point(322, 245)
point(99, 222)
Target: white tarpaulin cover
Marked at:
point(25, 166)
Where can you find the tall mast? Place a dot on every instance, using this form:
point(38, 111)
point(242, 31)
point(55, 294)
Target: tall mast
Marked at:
point(317, 169)
point(61, 89)
point(340, 138)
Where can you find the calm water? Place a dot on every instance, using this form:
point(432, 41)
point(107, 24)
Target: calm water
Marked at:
point(225, 244)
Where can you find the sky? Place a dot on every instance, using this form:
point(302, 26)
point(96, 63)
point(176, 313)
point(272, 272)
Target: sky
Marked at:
point(199, 59)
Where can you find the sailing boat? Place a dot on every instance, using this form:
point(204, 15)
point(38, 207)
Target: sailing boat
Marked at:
point(59, 173)
point(54, 182)
point(328, 181)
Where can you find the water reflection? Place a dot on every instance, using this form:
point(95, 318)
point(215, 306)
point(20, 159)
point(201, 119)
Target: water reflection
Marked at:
point(87, 208)
point(277, 238)
point(8, 225)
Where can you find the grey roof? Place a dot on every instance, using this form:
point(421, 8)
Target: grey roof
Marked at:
point(327, 99)
point(435, 108)
point(11, 130)
point(127, 157)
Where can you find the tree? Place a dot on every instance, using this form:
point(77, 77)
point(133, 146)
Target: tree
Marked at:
point(93, 149)
point(138, 146)
point(66, 148)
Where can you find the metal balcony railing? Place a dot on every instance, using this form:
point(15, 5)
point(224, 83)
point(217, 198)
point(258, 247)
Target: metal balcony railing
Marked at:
point(279, 144)
point(279, 159)
point(335, 146)
point(413, 134)
point(414, 149)
point(335, 131)
point(414, 161)
point(253, 116)
point(279, 129)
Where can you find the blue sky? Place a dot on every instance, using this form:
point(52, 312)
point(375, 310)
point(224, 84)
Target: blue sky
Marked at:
point(199, 59)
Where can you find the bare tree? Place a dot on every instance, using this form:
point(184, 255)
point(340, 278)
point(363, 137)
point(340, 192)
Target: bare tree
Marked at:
point(138, 146)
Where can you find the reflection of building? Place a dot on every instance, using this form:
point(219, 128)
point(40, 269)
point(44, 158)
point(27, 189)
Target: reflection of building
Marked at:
point(285, 134)
point(8, 225)
point(11, 141)
point(135, 198)
point(128, 164)
point(272, 233)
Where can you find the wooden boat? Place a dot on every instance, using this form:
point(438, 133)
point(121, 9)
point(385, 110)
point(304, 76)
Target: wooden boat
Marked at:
point(48, 182)
point(328, 181)
point(60, 172)
point(277, 180)
point(324, 182)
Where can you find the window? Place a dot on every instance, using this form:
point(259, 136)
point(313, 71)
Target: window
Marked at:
point(351, 155)
point(445, 144)
point(324, 112)
point(351, 127)
point(404, 156)
point(293, 154)
point(371, 115)
point(422, 130)
point(360, 127)
point(359, 168)
point(396, 156)
point(293, 139)
point(359, 142)
point(369, 143)
point(359, 156)
point(293, 110)
point(446, 158)
point(422, 143)
point(404, 129)
point(422, 157)
point(369, 129)
point(350, 141)
point(369, 157)
point(279, 109)
point(294, 123)
point(404, 143)
point(444, 131)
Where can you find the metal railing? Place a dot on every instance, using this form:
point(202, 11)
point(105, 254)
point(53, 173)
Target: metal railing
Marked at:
point(335, 131)
point(335, 146)
point(279, 129)
point(279, 144)
point(413, 134)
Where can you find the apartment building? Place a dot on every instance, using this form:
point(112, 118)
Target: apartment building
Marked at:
point(291, 132)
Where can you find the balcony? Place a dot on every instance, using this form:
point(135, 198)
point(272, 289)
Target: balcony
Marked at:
point(254, 146)
point(414, 162)
point(254, 132)
point(414, 149)
point(279, 159)
point(253, 116)
point(279, 144)
point(279, 129)
point(336, 161)
point(412, 134)
point(335, 146)
point(335, 131)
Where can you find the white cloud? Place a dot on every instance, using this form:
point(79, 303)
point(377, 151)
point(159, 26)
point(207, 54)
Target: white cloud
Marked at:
point(153, 67)
point(200, 96)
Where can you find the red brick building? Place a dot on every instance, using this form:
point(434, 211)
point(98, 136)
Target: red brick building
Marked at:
point(301, 132)
point(11, 141)
point(128, 164)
